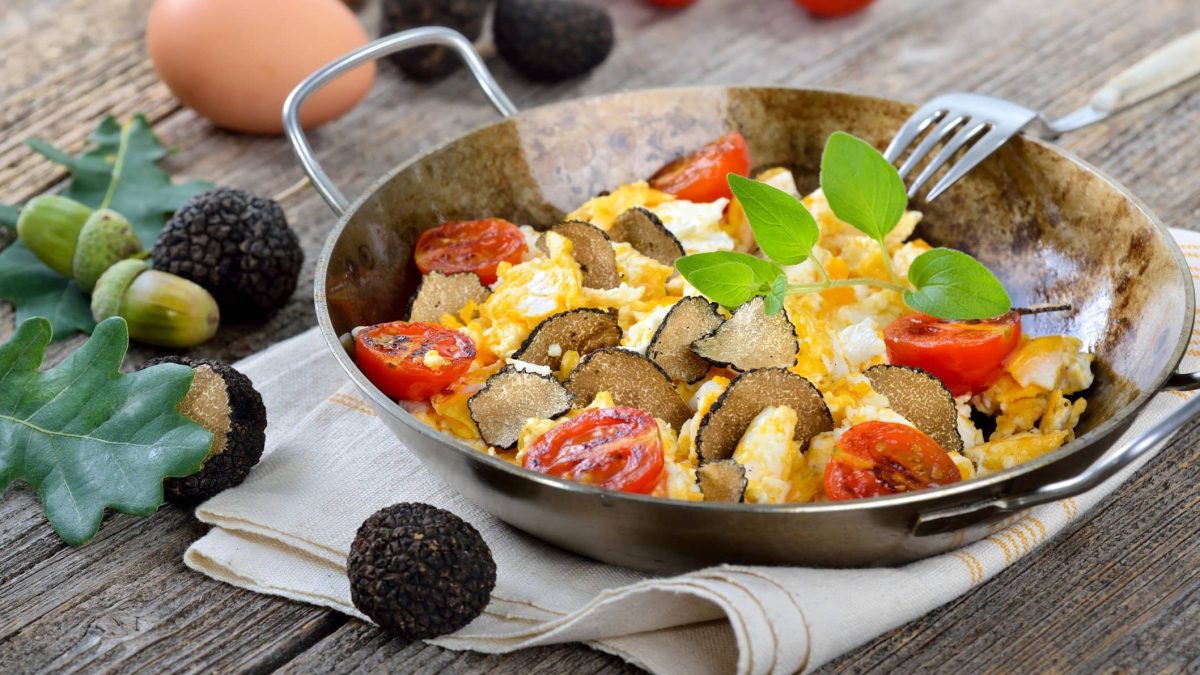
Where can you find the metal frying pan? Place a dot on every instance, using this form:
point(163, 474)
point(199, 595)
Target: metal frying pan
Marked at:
point(1053, 228)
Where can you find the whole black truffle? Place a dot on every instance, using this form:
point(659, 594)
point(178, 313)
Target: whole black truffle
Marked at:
point(435, 62)
point(236, 245)
point(224, 401)
point(552, 40)
point(419, 571)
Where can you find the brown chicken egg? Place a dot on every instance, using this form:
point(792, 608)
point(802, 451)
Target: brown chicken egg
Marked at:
point(235, 61)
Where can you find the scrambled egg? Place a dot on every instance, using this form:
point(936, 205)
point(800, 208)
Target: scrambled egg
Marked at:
point(1035, 402)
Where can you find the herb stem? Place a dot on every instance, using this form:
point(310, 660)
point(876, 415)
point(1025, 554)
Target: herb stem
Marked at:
point(821, 268)
point(841, 283)
point(887, 262)
point(118, 166)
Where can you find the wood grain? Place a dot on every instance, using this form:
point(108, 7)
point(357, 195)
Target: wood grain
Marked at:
point(1119, 591)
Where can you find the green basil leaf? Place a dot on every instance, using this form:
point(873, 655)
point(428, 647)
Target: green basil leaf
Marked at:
point(728, 278)
point(950, 284)
point(862, 187)
point(87, 437)
point(783, 228)
point(772, 303)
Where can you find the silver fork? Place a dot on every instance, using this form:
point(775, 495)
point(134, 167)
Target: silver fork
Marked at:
point(981, 124)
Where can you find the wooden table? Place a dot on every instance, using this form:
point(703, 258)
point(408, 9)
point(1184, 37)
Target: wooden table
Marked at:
point(1120, 589)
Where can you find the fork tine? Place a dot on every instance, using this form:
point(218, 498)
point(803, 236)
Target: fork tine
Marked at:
point(978, 152)
point(965, 135)
point(913, 126)
point(935, 136)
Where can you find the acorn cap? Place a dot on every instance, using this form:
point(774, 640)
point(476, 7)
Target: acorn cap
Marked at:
point(510, 398)
point(751, 339)
point(722, 481)
point(225, 402)
point(110, 288)
point(441, 294)
point(552, 40)
point(583, 330)
point(921, 399)
point(236, 245)
point(632, 379)
point(723, 426)
point(671, 347)
point(644, 231)
point(106, 238)
point(50, 225)
point(592, 249)
point(426, 64)
point(419, 571)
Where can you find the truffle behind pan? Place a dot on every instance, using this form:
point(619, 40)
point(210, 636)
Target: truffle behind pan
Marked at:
point(552, 40)
point(433, 62)
point(223, 401)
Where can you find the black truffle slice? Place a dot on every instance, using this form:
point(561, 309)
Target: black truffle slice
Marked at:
point(237, 246)
point(751, 339)
point(726, 422)
point(584, 330)
point(722, 481)
point(441, 294)
point(632, 379)
point(643, 230)
point(510, 398)
point(671, 347)
point(592, 249)
point(552, 40)
point(426, 64)
point(921, 399)
point(419, 571)
point(223, 401)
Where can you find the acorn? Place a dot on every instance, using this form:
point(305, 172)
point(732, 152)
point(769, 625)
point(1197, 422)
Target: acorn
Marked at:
point(106, 239)
point(161, 309)
point(50, 225)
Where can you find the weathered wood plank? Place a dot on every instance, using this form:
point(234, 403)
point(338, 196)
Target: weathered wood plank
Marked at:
point(1122, 593)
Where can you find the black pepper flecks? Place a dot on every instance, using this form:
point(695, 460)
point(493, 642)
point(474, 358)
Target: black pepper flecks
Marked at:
point(552, 40)
point(237, 246)
point(230, 461)
point(432, 63)
point(419, 571)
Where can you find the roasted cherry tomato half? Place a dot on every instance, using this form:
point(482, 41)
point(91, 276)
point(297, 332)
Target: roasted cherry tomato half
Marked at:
point(671, 3)
point(831, 8)
point(616, 448)
point(885, 458)
point(702, 175)
point(412, 360)
point(470, 246)
point(967, 356)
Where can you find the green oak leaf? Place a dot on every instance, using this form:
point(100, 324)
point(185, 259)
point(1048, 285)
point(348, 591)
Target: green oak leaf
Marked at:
point(728, 278)
point(785, 230)
point(37, 290)
point(950, 284)
point(144, 193)
point(863, 188)
point(8, 216)
point(86, 437)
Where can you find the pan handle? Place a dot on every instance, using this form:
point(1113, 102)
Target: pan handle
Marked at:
point(1112, 461)
point(418, 37)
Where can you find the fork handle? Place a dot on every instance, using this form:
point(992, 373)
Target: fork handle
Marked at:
point(1176, 63)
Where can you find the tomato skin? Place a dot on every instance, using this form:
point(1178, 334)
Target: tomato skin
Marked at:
point(833, 8)
point(477, 246)
point(392, 356)
point(671, 3)
point(884, 458)
point(616, 448)
point(702, 175)
point(967, 356)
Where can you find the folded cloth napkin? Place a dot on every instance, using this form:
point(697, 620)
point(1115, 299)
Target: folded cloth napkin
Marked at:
point(287, 531)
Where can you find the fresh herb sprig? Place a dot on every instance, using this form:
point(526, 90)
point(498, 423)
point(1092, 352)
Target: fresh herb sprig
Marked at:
point(864, 190)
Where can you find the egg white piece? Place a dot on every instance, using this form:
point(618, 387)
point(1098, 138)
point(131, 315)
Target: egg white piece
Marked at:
point(697, 226)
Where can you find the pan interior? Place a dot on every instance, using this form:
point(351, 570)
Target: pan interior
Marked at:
point(1052, 229)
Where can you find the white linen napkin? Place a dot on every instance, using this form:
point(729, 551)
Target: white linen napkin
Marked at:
point(287, 531)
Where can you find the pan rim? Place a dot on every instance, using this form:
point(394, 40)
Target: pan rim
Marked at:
point(985, 485)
